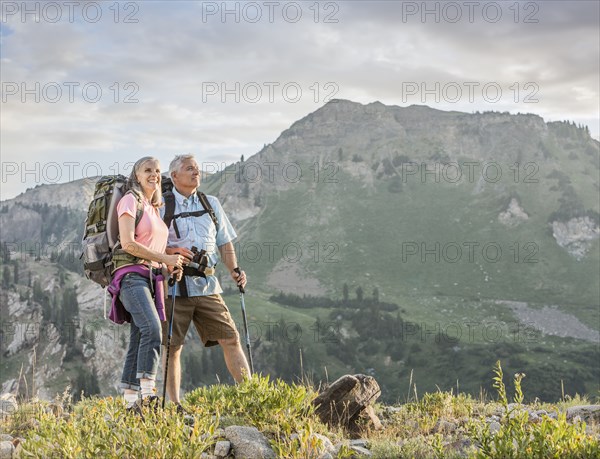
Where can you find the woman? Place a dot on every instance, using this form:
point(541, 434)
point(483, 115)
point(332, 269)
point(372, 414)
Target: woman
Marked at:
point(137, 280)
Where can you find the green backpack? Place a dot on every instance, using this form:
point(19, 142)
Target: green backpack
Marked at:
point(101, 249)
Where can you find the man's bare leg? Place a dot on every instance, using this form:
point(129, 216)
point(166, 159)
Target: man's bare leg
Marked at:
point(235, 359)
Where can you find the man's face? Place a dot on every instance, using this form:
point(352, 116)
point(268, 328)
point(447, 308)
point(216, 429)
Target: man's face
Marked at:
point(188, 175)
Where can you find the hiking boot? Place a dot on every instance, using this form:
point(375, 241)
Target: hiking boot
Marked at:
point(151, 402)
point(135, 409)
point(188, 419)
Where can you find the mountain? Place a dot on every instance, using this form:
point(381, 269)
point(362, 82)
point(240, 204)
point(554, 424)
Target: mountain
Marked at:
point(391, 239)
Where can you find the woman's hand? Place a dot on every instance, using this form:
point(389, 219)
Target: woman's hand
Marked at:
point(177, 273)
point(174, 261)
point(168, 271)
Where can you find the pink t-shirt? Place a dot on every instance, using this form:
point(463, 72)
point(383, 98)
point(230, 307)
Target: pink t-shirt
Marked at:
point(151, 231)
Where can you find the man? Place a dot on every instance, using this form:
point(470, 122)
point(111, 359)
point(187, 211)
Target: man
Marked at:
point(202, 302)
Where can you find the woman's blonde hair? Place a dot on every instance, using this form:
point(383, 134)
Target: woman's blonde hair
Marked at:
point(134, 184)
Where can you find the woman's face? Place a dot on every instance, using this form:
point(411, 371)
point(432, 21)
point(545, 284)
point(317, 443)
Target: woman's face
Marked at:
point(148, 176)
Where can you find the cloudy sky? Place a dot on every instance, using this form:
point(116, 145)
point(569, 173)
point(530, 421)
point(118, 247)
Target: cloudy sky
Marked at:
point(89, 87)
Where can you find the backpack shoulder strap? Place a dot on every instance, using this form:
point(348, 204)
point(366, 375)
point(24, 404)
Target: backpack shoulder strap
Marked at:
point(208, 208)
point(169, 198)
point(140, 207)
point(139, 213)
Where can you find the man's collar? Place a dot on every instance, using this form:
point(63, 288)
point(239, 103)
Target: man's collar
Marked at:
point(179, 198)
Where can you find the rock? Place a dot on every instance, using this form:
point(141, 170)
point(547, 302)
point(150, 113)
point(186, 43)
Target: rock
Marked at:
point(462, 446)
point(587, 413)
point(442, 426)
point(513, 215)
point(343, 401)
point(325, 443)
point(6, 450)
point(364, 420)
point(248, 443)
point(326, 450)
point(8, 404)
point(534, 418)
point(494, 427)
point(576, 235)
point(222, 448)
point(359, 442)
point(361, 452)
point(393, 409)
point(6, 437)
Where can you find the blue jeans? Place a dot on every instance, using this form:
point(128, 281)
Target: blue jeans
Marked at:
point(145, 335)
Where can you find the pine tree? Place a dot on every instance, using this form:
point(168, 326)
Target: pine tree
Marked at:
point(5, 253)
point(359, 294)
point(6, 277)
point(376, 295)
point(246, 190)
point(345, 293)
point(38, 293)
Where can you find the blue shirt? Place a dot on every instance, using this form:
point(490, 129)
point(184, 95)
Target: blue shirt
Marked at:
point(200, 232)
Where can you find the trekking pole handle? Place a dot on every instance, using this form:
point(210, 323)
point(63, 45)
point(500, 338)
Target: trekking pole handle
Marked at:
point(238, 270)
point(171, 280)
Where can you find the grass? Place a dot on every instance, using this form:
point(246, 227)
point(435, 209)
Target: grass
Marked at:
point(441, 424)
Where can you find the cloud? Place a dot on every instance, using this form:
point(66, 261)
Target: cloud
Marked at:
point(158, 76)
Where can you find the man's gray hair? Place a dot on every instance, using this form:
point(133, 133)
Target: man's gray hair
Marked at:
point(176, 163)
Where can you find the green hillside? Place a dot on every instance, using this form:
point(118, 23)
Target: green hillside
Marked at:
point(417, 243)
point(433, 245)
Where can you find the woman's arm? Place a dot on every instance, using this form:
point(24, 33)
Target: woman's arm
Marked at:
point(127, 237)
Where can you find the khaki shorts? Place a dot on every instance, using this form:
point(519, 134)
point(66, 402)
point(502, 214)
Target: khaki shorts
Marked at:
point(209, 314)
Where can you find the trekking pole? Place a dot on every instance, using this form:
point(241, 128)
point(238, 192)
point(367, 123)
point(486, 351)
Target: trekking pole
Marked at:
point(169, 334)
point(242, 291)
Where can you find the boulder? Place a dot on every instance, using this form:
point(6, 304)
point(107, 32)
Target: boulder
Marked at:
point(587, 413)
point(248, 443)
point(8, 404)
point(6, 449)
point(347, 402)
point(222, 448)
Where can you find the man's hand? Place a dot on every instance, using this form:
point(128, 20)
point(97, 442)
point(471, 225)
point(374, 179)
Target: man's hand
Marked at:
point(239, 279)
point(185, 252)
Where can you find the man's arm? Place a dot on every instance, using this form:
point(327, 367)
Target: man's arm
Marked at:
point(229, 259)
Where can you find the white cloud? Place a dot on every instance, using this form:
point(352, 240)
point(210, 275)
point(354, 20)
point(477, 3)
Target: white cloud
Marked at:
point(367, 55)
